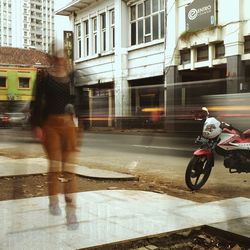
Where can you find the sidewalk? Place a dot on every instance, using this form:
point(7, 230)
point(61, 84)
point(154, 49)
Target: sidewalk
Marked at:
point(109, 216)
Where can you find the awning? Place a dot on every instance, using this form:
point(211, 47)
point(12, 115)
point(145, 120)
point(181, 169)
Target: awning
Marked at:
point(74, 6)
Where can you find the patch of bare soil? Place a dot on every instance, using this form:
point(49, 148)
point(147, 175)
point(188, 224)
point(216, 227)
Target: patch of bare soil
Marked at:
point(202, 238)
point(18, 187)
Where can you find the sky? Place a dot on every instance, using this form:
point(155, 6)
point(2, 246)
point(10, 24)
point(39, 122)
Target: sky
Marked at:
point(61, 22)
point(60, 3)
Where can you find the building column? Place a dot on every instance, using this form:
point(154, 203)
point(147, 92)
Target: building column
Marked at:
point(122, 92)
point(235, 74)
point(234, 48)
point(110, 95)
point(172, 93)
point(173, 97)
point(90, 107)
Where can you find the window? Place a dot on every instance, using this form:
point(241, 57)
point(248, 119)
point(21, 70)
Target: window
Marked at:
point(94, 25)
point(185, 56)
point(112, 28)
point(247, 44)
point(24, 83)
point(86, 37)
point(146, 21)
point(103, 32)
point(79, 40)
point(3, 82)
point(98, 33)
point(202, 53)
point(219, 50)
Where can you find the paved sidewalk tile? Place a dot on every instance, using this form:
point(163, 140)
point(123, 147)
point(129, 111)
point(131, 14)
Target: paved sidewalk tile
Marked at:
point(13, 167)
point(107, 216)
point(240, 226)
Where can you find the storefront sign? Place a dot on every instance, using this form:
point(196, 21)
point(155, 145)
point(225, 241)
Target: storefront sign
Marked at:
point(68, 43)
point(200, 14)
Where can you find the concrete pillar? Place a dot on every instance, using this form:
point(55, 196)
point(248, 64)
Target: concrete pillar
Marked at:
point(210, 55)
point(173, 98)
point(172, 93)
point(235, 73)
point(110, 108)
point(122, 93)
point(171, 33)
point(90, 107)
point(234, 47)
point(193, 56)
point(137, 98)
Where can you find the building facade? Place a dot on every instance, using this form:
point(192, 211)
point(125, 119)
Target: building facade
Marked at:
point(27, 23)
point(207, 51)
point(18, 69)
point(115, 57)
point(136, 55)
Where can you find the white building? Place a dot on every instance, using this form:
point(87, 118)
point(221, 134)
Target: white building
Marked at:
point(113, 53)
point(27, 23)
point(131, 54)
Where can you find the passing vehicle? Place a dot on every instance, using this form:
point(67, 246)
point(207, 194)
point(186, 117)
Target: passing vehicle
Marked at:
point(4, 120)
point(17, 119)
point(223, 139)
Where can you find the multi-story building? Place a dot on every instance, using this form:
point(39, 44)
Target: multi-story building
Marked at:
point(119, 48)
point(27, 23)
point(132, 55)
point(207, 53)
point(18, 68)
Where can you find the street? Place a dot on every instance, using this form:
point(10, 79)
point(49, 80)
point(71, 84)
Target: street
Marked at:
point(160, 158)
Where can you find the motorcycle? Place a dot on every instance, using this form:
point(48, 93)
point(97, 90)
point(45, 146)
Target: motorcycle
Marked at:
point(223, 139)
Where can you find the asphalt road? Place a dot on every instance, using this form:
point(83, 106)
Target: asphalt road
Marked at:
point(158, 156)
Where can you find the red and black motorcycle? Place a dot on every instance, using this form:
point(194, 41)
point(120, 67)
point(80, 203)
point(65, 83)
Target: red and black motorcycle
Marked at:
point(223, 139)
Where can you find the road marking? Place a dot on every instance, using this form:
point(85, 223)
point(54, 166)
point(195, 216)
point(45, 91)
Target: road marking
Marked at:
point(167, 148)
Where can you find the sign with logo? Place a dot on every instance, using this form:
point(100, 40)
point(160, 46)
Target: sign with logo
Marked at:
point(68, 43)
point(200, 14)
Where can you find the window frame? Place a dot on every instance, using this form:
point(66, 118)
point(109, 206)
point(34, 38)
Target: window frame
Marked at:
point(5, 82)
point(218, 47)
point(86, 31)
point(112, 28)
point(94, 35)
point(144, 24)
point(79, 40)
point(183, 54)
point(98, 33)
point(19, 82)
point(103, 25)
point(202, 49)
point(247, 42)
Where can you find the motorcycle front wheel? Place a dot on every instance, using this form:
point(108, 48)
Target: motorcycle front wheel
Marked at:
point(197, 172)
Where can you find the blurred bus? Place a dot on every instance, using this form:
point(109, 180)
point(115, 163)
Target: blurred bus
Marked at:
point(231, 108)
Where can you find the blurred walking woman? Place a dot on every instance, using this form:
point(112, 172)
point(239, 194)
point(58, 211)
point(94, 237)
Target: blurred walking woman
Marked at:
point(53, 125)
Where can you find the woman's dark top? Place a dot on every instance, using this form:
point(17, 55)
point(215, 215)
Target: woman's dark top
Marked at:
point(52, 94)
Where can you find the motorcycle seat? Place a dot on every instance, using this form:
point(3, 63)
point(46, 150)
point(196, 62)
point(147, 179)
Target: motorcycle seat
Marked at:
point(246, 133)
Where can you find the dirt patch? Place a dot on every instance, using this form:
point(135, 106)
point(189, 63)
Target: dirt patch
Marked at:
point(201, 238)
point(18, 187)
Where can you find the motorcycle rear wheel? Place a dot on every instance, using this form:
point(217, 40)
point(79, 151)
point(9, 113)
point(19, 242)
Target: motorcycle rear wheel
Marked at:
point(197, 172)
